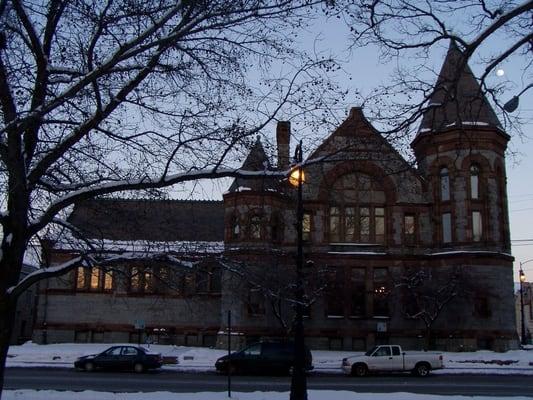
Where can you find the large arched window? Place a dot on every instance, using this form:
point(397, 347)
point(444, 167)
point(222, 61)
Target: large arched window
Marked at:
point(474, 182)
point(357, 209)
point(444, 184)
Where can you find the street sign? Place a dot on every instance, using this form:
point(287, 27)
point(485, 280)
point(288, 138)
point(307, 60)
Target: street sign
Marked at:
point(139, 324)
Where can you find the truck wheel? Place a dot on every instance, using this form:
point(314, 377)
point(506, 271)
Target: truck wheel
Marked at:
point(359, 370)
point(422, 369)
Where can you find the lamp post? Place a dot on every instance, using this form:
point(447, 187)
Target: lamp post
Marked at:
point(299, 379)
point(512, 104)
point(522, 276)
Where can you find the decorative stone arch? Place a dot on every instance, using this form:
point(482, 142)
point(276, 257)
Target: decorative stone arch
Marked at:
point(485, 171)
point(377, 211)
point(363, 167)
point(476, 159)
point(435, 174)
point(443, 208)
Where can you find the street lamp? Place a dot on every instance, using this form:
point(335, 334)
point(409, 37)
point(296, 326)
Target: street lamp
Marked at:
point(522, 322)
point(522, 276)
point(299, 379)
point(512, 104)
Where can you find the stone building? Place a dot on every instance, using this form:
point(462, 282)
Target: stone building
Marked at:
point(412, 256)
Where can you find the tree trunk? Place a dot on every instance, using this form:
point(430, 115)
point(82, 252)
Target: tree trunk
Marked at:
point(429, 339)
point(7, 318)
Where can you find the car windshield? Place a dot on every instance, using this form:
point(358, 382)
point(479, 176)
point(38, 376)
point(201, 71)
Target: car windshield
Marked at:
point(369, 352)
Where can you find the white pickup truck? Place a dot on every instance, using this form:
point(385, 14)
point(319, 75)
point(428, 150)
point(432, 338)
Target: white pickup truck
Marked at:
point(387, 358)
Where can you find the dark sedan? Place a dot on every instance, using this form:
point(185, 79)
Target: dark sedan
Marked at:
point(263, 358)
point(134, 358)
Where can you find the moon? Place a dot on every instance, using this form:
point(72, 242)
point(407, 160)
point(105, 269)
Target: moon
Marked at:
point(500, 72)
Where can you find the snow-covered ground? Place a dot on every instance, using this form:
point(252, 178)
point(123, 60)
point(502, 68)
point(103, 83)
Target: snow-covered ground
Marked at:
point(203, 359)
point(312, 394)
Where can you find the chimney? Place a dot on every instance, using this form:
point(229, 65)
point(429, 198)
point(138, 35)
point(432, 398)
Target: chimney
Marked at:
point(283, 138)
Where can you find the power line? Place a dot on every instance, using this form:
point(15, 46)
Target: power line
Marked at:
point(521, 209)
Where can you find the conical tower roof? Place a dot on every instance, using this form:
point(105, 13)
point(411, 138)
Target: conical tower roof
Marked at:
point(457, 99)
point(256, 160)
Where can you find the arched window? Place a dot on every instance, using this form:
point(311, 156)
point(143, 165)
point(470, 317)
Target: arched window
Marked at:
point(474, 181)
point(444, 184)
point(235, 227)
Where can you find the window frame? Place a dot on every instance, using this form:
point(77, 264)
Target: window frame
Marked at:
point(410, 236)
point(335, 293)
point(356, 293)
point(474, 182)
point(95, 280)
point(444, 184)
point(357, 223)
point(235, 227)
point(446, 222)
point(477, 226)
point(380, 292)
point(144, 286)
point(255, 309)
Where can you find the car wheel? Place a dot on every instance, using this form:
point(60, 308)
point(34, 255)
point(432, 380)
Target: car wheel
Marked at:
point(359, 370)
point(138, 367)
point(422, 369)
point(89, 367)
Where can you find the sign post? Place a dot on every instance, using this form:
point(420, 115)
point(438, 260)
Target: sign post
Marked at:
point(139, 325)
point(229, 353)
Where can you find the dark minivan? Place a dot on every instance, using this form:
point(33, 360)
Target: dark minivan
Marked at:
point(264, 357)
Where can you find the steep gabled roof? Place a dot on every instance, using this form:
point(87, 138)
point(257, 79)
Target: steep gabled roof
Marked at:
point(457, 99)
point(256, 160)
point(150, 220)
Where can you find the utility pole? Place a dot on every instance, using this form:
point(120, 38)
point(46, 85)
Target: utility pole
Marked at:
point(299, 378)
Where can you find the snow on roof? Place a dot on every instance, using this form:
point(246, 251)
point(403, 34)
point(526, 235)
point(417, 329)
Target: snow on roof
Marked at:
point(107, 245)
point(372, 253)
point(442, 253)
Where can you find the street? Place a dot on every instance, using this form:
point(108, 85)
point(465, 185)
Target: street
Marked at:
point(72, 380)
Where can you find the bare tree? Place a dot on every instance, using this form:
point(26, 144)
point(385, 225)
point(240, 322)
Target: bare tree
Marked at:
point(489, 33)
point(100, 97)
point(425, 297)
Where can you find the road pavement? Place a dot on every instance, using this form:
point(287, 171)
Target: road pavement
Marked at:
point(72, 380)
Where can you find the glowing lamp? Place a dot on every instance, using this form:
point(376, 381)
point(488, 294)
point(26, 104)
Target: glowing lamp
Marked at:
point(294, 177)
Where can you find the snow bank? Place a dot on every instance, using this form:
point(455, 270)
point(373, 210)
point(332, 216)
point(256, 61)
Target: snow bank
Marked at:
point(313, 395)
